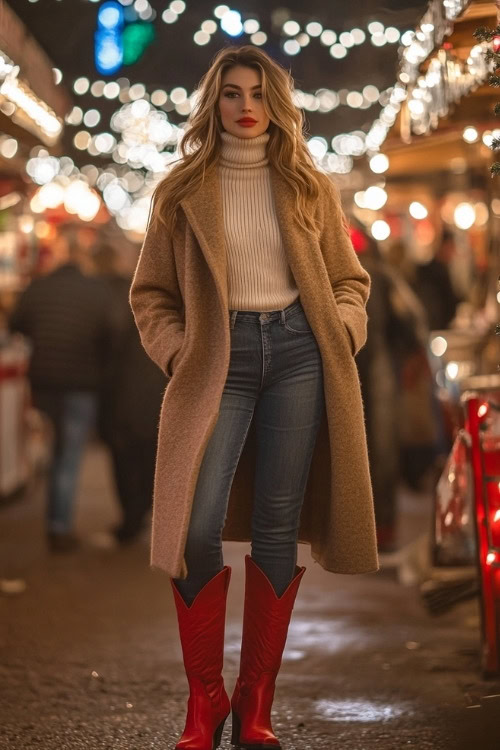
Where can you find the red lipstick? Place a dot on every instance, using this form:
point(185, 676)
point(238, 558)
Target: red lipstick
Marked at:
point(246, 122)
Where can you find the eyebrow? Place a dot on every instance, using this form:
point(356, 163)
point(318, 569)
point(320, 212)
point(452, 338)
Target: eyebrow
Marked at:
point(234, 86)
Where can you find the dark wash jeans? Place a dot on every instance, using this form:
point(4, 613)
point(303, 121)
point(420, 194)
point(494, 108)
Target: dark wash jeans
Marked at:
point(73, 415)
point(275, 375)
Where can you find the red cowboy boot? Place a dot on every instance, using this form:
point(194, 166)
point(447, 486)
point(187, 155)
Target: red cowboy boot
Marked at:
point(265, 625)
point(201, 627)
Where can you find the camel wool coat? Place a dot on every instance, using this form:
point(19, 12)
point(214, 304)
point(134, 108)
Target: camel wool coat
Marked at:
point(179, 297)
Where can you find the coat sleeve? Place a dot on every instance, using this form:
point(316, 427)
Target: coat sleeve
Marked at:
point(156, 299)
point(350, 282)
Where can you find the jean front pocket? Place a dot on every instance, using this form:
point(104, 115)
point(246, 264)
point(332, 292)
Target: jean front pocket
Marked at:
point(297, 323)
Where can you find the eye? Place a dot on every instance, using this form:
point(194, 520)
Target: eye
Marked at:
point(230, 94)
point(259, 96)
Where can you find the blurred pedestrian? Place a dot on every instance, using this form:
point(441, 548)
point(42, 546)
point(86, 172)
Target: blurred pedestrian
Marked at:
point(427, 272)
point(396, 330)
point(249, 296)
point(423, 430)
point(130, 405)
point(65, 315)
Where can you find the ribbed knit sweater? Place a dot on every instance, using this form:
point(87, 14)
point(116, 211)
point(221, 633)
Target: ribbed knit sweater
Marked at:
point(259, 277)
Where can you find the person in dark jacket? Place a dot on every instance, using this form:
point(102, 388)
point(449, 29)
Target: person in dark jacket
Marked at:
point(130, 407)
point(395, 328)
point(66, 317)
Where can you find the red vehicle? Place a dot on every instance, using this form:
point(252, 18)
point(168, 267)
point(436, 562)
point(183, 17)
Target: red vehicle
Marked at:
point(467, 525)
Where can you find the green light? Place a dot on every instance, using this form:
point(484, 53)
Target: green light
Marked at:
point(136, 38)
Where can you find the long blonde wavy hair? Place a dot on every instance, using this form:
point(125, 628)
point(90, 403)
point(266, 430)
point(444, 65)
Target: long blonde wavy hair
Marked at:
point(200, 147)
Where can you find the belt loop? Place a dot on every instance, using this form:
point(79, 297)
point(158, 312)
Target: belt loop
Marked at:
point(234, 313)
point(283, 317)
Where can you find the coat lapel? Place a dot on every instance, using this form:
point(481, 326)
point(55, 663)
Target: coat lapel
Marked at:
point(299, 245)
point(203, 210)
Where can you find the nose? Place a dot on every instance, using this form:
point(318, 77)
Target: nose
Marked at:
point(246, 104)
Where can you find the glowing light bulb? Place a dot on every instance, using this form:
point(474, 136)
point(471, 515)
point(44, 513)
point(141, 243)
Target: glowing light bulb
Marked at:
point(483, 409)
point(314, 28)
point(375, 197)
point(26, 224)
point(291, 28)
point(438, 346)
point(464, 215)
point(380, 230)
point(379, 163)
point(470, 134)
point(417, 210)
point(231, 23)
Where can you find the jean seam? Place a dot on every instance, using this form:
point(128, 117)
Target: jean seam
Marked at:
point(263, 333)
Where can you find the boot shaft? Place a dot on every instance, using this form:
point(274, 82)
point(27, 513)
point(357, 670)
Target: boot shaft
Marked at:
point(265, 627)
point(201, 627)
point(265, 622)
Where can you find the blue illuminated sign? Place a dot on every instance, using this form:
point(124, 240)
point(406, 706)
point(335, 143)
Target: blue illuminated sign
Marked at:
point(108, 38)
point(110, 16)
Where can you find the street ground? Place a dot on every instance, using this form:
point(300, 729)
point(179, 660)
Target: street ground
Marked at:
point(89, 653)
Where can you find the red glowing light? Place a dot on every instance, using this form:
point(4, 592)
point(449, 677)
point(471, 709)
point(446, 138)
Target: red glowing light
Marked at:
point(358, 239)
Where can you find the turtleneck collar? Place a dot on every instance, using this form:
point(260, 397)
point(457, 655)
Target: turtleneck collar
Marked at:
point(243, 153)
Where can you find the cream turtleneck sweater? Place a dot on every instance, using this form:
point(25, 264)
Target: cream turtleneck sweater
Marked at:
point(259, 277)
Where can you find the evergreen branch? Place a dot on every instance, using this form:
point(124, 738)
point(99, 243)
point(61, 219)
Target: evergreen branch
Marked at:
point(490, 56)
point(482, 34)
point(495, 144)
point(496, 108)
point(495, 169)
point(494, 81)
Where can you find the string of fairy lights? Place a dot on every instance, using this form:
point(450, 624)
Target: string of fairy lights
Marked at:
point(141, 141)
point(295, 35)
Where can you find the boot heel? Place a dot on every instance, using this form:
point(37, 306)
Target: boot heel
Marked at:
point(218, 734)
point(236, 729)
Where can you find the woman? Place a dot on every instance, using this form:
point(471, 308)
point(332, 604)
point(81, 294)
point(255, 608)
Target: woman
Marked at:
point(250, 298)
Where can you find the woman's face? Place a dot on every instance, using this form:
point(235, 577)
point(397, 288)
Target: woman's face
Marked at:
point(240, 103)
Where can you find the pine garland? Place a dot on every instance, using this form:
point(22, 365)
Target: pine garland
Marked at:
point(487, 35)
point(492, 56)
point(482, 34)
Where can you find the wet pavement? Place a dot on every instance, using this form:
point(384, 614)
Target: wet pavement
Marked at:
point(89, 654)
